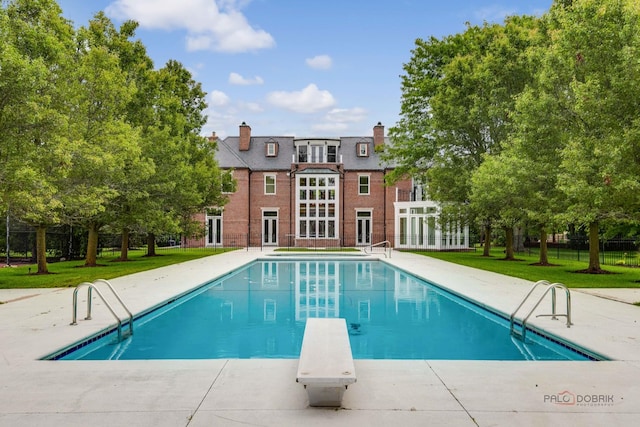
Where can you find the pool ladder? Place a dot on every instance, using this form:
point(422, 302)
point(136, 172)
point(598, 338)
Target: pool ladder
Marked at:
point(92, 287)
point(551, 287)
point(387, 246)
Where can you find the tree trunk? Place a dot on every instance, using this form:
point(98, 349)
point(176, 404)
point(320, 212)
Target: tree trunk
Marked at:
point(544, 250)
point(151, 244)
point(519, 240)
point(487, 240)
point(594, 248)
point(92, 246)
point(41, 249)
point(509, 254)
point(124, 246)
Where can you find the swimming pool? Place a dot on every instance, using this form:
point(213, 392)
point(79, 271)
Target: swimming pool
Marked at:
point(259, 311)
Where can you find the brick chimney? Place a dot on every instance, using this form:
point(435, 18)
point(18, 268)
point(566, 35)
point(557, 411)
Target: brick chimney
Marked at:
point(378, 134)
point(213, 137)
point(245, 137)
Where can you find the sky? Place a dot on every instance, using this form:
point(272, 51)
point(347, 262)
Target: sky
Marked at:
point(303, 68)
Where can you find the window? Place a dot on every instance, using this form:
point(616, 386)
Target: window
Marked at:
point(269, 184)
point(363, 184)
point(317, 152)
point(302, 154)
point(317, 207)
point(332, 154)
point(362, 149)
point(272, 149)
point(227, 182)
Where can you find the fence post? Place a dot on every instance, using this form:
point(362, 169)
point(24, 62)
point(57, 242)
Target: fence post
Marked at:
point(8, 244)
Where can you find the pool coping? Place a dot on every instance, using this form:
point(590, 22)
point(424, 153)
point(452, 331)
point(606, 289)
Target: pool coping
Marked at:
point(198, 393)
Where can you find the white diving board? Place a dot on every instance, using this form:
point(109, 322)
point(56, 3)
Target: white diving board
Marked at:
point(326, 366)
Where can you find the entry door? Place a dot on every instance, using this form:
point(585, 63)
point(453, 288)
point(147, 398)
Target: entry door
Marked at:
point(214, 230)
point(270, 227)
point(363, 227)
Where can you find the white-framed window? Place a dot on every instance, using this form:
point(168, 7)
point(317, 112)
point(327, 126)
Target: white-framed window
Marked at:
point(270, 184)
point(227, 182)
point(363, 184)
point(363, 149)
point(317, 152)
point(271, 149)
point(317, 206)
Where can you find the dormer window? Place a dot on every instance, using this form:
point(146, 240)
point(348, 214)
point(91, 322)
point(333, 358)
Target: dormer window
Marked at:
point(332, 154)
point(272, 149)
point(363, 149)
point(316, 151)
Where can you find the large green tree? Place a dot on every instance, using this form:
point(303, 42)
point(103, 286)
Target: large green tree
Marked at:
point(457, 97)
point(125, 212)
point(187, 178)
point(593, 59)
point(105, 148)
point(36, 47)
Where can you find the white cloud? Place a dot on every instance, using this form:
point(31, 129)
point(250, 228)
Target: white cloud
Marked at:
point(252, 107)
point(218, 99)
point(210, 25)
point(329, 128)
point(237, 79)
point(320, 62)
point(343, 115)
point(308, 100)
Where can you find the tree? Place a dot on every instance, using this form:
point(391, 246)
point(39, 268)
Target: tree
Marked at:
point(187, 178)
point(106, 149)
point(125, 212)
point(502, 205)
point(537, 139)
point(594, 58)
point(36, 44)
point(457, 96)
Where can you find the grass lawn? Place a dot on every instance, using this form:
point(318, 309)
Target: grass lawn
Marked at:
point(72, 273)
point(563, 271)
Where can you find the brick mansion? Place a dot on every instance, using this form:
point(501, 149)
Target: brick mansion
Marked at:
point(320, 192)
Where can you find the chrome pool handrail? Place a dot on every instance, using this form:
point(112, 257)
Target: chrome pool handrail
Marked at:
point(554, 315)
point(91, 287)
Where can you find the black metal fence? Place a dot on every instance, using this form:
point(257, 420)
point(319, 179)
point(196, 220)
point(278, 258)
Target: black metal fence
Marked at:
point(66, 243)
point(623, 252)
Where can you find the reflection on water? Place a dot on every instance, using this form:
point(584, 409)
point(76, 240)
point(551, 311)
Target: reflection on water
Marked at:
point(261, 311)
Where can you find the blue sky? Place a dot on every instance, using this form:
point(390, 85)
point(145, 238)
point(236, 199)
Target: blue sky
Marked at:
point(307, 68)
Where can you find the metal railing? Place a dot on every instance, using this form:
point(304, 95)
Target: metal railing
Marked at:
point(551, 287)
point(387, 246)
point(92, 287)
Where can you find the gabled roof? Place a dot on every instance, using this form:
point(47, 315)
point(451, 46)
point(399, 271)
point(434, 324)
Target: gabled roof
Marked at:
point(230, 156)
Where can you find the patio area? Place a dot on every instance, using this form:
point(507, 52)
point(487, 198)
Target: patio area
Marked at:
point(263, 392)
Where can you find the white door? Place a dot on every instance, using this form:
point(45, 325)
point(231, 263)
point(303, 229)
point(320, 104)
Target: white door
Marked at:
point(363, 228)
point(270, 227)
point(214, 230)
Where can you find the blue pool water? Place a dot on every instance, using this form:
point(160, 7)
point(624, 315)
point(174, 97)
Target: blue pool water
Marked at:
point(260, 310)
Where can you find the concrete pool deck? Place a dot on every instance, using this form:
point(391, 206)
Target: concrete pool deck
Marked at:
point(263, 392)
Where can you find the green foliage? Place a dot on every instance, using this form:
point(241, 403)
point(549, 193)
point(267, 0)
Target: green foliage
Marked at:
point(91, 134)
point(72, 273)
point(564, 271)
point(531, 123)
